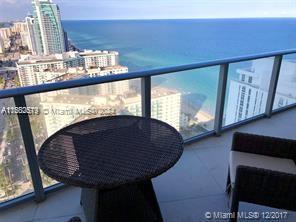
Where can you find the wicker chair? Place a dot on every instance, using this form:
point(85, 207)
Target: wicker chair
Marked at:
point(262, 170)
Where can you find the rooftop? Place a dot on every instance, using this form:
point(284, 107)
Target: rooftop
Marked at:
point(68, 99)
point(107, 68)
point(194, 186)
point(114, 67)
point(162, 91)
point(32, 59)
point(97, 52)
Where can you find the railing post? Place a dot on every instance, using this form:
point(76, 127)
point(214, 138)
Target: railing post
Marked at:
point(146, 96)
point(27, 135)
point(273, 84)
point(221, 98)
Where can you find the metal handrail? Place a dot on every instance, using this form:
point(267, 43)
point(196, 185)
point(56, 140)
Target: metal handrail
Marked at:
point(133, 75)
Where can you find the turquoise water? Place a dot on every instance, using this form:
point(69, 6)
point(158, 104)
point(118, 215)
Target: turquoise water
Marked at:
point(146, 44)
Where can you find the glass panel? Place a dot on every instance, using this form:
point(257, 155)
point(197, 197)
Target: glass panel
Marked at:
point(61, 108)
point(15, 179)
point(286, 88)
point(247, 90)
point(186, 100)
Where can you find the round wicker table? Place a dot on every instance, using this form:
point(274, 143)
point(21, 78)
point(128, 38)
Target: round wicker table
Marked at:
point(113, 159)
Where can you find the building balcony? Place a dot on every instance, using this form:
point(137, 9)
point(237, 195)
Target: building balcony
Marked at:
point(194, 186)
point(206, 119)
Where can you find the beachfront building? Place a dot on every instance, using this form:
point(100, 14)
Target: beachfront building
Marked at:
point(48, 31)
point(32, 69)
point(248, 94)
point(114, 88)
point(30, 65)
point(105, 71)
point(31, 33)
point(165, 106)
point(50, 76)
point(61, 110)
point(100, 58)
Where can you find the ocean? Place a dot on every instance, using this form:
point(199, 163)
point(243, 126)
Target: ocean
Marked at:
point(148, 44)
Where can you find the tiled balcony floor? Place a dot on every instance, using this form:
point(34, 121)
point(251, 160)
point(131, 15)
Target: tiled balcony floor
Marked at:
point(194, 186)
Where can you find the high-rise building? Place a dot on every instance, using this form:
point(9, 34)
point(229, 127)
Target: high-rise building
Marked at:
point(32, 41)
point(25, 39)
point(5, 33)
point(61, 110)
point(165, 106)
point(66, 40)
point(48, 30)
point(51, 76)
point(2, 48)
point(114, 88)
point(248, 95)
point(66, 108)
point(100, 58)
point(28, 66)
point(19, 27)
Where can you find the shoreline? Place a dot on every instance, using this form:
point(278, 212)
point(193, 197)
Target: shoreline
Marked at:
point(203, 116)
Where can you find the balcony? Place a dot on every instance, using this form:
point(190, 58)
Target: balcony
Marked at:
point(197, 182)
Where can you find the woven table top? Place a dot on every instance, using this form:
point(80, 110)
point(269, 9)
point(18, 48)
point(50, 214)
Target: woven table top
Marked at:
point(107, 152)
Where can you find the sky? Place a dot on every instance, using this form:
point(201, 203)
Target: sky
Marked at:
point(155, 9)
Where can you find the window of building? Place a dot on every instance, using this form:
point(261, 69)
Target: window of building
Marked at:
point(243, 77)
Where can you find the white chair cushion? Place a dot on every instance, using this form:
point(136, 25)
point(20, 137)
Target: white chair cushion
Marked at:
point(259, 161)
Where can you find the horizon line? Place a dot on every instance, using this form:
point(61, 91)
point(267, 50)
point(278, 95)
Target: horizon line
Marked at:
point(147, 19)
point(197, 18)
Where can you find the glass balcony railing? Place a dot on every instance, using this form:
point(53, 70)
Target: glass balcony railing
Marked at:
point(186, 100)
point(199, 100)
point(247, 89)
point(64, 107)
point(286, 87)
point(15, 179)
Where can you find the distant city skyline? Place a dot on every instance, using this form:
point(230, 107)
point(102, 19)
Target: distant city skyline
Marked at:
point(155, 9)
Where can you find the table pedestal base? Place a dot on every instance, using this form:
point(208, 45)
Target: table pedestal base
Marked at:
point(128, 203)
